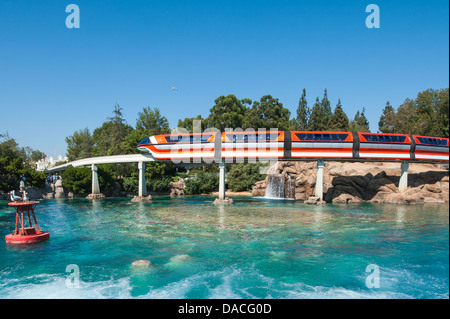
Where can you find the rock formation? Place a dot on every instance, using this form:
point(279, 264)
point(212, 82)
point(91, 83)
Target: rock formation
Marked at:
point(354, 182)
point(177, 188)
point(142, 199)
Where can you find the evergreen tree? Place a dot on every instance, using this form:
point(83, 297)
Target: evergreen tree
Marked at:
point(303, 112)
point(315, 119)
point(339, 120)
point(109, 137)
point(80, 145)
point(360, 122)
point(386, 122)
point(326, 106)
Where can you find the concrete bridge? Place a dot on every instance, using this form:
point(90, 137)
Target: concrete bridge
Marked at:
point(141, 159)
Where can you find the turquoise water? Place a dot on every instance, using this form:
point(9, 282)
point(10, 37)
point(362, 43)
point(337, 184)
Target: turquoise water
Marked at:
point(254, 248)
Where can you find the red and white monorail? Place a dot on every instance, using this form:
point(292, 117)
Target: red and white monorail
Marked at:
point(297, 145)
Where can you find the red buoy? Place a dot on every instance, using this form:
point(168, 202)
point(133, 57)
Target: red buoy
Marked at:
point(29, 234)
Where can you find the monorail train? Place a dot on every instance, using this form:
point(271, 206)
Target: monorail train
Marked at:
point(297, 145)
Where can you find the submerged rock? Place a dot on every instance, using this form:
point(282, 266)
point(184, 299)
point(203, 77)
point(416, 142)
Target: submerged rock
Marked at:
point(141, 263)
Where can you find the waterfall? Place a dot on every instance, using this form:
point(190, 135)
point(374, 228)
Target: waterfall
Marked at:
point(275, 186)
point(289, 188)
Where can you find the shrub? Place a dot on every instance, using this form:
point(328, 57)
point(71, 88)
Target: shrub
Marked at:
point(242, 177)
point(202, 184)
point(159, 185)
point(77, 179)
point(130, 184)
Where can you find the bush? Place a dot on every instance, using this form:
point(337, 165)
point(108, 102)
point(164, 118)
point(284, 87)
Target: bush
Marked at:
point(202, 184)
point(130, 184)
point(77, 179)
point(159, 185)
point(242, 177)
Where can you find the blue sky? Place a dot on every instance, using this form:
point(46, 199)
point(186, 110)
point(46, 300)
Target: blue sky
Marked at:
point(55, 80)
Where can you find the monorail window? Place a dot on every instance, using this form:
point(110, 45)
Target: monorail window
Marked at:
point(145, 141)
point(384, 138)
point(432, 141)
point(321, 137)
point(253, 137)
point(188, 138)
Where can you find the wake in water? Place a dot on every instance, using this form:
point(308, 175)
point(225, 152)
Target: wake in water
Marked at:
point(229, 283)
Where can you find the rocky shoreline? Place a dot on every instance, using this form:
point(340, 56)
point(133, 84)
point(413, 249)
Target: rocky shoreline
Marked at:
point(349, 182)
point(374, 182)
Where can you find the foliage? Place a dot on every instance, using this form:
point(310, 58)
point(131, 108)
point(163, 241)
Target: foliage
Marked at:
point(159, 185)
point(300, 123)
point(130, 184)
point(188, 123)
point(268, 113)
point(427, 114)
point(360, 122)
point(203, 183)
point(242, 177)
point(16, 162)
point(339, 120)
point(228, 112)
point(152, 122)
point(77, 179)
point(385, 124)
point(79, 145)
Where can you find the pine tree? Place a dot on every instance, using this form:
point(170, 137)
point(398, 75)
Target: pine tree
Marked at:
point(360, 122)
point(339, 120)
point(326, 106)
point(386, 122)
point(303, 113)
point(316, 117)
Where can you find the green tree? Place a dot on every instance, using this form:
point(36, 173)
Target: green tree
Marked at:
point(315, 122)
point(149, 122)
point(79, 145)
point(242, 177)
point(204, 183)
point(360, 122)
point(188, 123)
point(339, 120)
point(228, 112)
point(386, 123)
point(77, 179)
point(300, 123)
point(268, 113)
point(109, 137)
point(326, 106)
point(152, 122)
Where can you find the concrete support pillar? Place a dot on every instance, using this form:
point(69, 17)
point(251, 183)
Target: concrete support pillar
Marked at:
point(142, 184)
point(95, 183)
point(319, 180)
point(403, 183)
point(222, 180)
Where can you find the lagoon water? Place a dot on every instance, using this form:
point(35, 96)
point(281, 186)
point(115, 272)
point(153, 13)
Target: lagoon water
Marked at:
point(255, 248)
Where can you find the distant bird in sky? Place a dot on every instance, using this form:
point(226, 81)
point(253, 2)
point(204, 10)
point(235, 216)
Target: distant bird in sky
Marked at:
point(173, 88)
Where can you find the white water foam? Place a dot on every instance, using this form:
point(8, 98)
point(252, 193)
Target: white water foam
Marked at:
point(229, 283)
